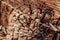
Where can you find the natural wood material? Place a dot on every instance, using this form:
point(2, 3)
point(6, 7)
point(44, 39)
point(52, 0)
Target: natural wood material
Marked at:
point(29, 20)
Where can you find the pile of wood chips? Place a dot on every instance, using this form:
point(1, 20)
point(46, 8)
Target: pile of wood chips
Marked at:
point(29, 20)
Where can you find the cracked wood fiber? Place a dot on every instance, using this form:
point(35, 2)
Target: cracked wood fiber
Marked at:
point(29, 19)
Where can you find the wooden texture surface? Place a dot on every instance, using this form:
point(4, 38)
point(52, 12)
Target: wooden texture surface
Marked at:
point(29, 19)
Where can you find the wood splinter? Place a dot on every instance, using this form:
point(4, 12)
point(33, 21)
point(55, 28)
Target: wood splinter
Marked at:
point(54, 28)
